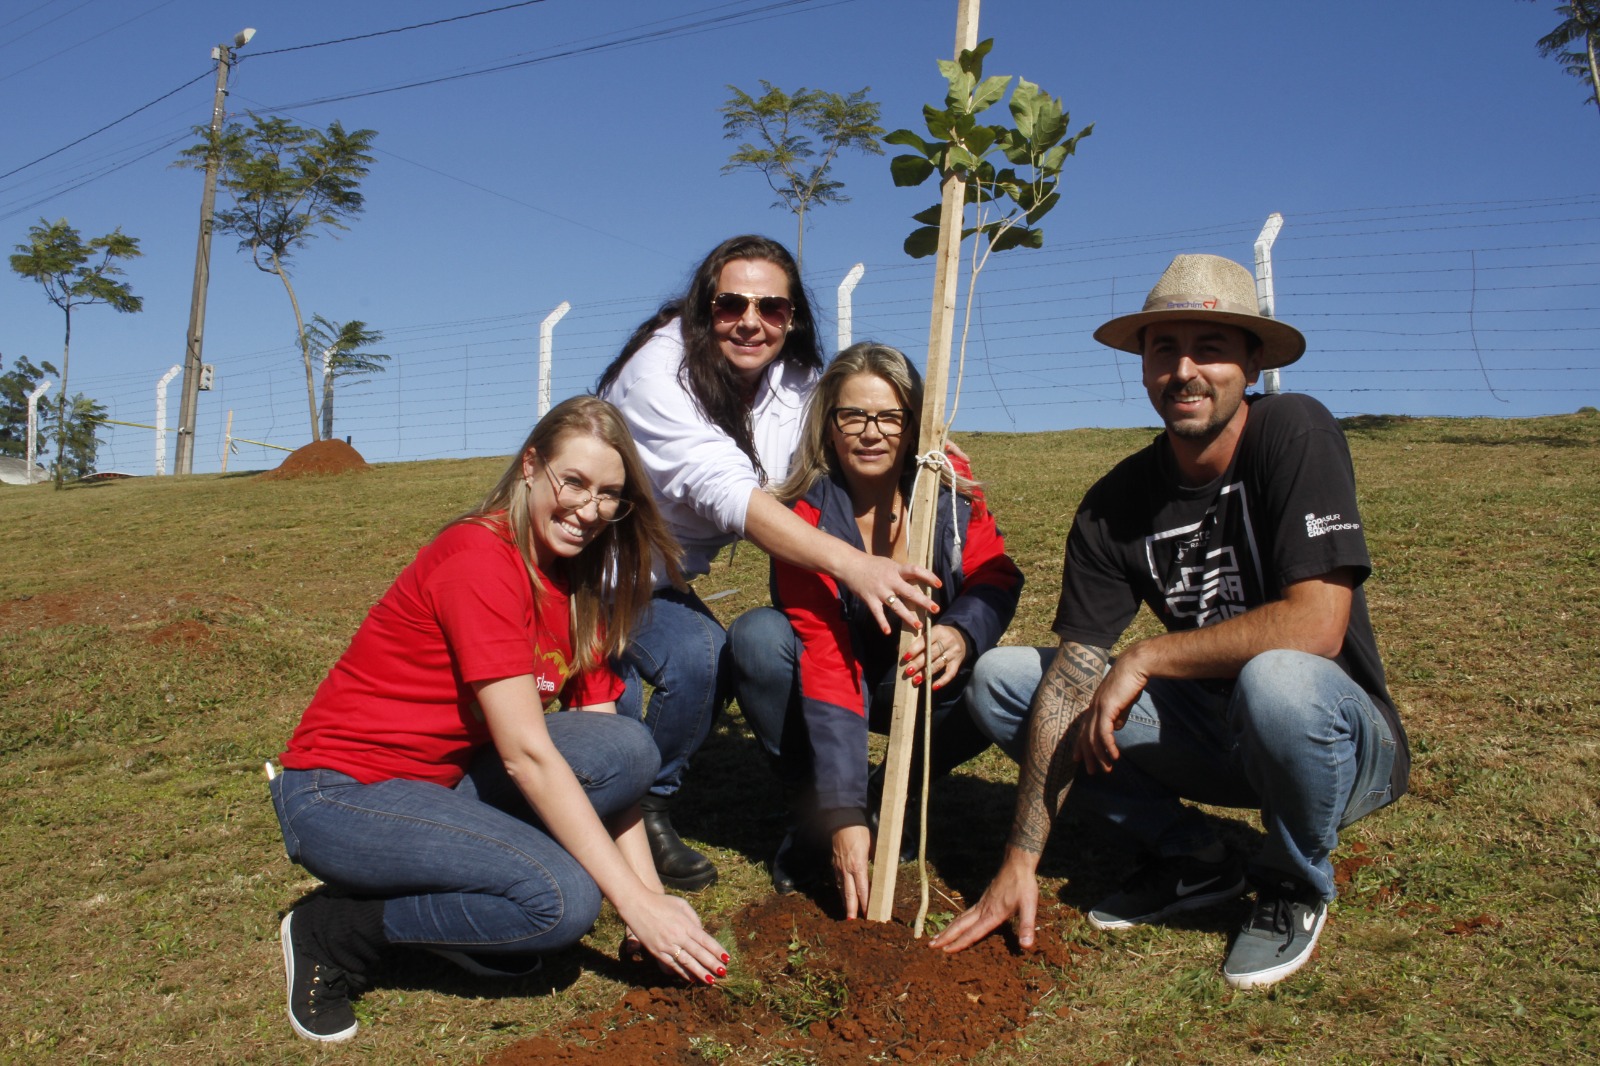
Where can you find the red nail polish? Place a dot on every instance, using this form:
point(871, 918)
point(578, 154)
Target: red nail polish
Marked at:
point(724, 956)
point(722, 971)
point(710, 980)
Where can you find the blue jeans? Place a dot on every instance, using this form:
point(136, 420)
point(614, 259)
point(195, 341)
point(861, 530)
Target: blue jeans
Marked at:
point(764, 662)
point(677, 647)
point(470, 867)
point(1295, 739)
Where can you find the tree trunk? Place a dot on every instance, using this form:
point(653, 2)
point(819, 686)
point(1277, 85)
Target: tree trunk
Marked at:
point(305, 345)
point(327, 403)
point(61, 411)
point(1594, 66)
point(799, 240)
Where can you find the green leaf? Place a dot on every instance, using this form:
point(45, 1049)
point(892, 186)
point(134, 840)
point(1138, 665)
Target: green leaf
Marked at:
point(930, 216)
point(971, 59)
point(989, 91)
point(908, 170)
point(922, 242)
point(1043, 207)
point(1014, 237)
point(979, 140)
point(959, 159)
point(910, 140)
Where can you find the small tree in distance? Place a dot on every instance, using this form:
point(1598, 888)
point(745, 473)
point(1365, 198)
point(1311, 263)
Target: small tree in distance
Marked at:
point(287, 184)
point(344, 352)
point(796, 166)
point(76, 274)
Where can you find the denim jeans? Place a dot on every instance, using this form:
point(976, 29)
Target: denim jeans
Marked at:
point(1295, 739)
point(470, 867)
point(764, 664)
point(677, 647)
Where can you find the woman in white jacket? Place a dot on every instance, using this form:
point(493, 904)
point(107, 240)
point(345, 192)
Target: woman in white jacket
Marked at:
point(712, 388)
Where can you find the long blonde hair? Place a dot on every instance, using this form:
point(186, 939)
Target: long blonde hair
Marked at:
point(610, 580)
point(814, 458)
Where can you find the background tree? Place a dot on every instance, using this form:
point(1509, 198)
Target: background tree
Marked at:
point(796, 166)
point(1580, 25)
point(77, 439)
point(16, 385)
point(344, 350)
point(75, 274)
point(287, 183)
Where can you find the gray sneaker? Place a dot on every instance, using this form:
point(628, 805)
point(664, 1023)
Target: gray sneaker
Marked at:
point(1278, 939)
point(1164, 887)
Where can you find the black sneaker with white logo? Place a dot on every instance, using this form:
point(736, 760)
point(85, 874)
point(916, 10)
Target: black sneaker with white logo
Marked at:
point(1164, 887)
point(1279, 937)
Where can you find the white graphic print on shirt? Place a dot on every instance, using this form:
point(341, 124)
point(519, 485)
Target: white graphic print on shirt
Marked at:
point(1210, 570)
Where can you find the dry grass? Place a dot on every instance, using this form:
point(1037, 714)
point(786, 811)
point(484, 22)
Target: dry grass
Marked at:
point(158, 639)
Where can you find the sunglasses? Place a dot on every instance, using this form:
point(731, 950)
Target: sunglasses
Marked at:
point(730, 306)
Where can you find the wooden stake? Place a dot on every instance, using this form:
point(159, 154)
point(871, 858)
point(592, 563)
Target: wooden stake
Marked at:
point(919, 548)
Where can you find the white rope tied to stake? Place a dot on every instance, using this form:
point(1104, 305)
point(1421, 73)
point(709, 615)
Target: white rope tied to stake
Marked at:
point(936, 459)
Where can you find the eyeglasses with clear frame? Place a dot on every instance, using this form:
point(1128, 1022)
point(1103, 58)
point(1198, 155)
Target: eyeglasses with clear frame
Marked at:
point(773, 310)
point(572, 497)
point(853, 421)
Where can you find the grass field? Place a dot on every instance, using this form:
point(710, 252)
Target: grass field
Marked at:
point(159, 638)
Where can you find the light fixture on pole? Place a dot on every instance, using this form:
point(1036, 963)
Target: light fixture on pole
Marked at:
point(187, 405)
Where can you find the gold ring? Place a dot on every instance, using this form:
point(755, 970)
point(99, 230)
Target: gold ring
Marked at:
point(676, 952)
point(892, 599)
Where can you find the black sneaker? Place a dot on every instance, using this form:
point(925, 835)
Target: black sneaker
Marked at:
point(319, 999)
point(1164, 887)
point(1278, 939)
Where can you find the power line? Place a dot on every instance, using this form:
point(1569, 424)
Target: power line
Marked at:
point(397, 29)
point(108, 125)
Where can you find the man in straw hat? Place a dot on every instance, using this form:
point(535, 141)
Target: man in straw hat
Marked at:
point(1238, 527)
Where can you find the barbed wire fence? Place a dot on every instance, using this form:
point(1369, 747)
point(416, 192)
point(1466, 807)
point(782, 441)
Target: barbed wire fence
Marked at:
point(1448, 309)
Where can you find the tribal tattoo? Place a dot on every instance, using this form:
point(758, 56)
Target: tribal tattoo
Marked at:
point(1053, 724)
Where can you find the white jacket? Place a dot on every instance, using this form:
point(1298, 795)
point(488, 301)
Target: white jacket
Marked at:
point(702, 480)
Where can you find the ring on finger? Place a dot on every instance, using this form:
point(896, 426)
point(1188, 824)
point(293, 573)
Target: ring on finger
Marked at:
point(892, 599)
point(675, 953)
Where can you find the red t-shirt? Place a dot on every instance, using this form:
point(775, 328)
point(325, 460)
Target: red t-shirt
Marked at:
point(399, 702)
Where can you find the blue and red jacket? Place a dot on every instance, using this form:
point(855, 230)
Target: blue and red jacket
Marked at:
point(844, 656)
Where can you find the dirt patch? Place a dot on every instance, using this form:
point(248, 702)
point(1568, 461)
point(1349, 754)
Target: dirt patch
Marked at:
point(807, 987)
point(185, 632)
point(319, 457)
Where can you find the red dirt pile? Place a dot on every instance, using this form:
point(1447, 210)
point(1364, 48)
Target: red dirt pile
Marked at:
point(840, 992)
point(319, 457)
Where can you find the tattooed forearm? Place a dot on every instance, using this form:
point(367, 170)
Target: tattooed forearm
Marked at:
point(1053, 720)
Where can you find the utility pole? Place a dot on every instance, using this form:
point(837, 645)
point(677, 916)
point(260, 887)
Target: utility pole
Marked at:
point(187, 405)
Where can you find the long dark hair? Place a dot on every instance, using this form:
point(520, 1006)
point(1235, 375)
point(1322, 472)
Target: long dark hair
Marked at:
point(609, 582)
point(706, 374)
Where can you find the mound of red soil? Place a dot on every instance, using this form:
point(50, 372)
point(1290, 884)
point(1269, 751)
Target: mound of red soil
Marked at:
point(319, 457)
point(839, 992)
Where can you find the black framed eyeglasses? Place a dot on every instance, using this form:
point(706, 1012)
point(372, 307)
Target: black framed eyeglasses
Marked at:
point(853, 421)
point(572, 497)
point(730, 306)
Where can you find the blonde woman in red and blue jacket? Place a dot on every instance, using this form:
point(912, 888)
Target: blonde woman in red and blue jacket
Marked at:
point(815, 672)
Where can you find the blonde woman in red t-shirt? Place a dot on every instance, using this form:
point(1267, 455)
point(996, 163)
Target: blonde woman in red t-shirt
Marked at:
point(426, 784)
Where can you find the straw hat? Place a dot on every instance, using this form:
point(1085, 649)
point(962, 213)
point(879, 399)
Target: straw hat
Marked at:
point(1206, 287)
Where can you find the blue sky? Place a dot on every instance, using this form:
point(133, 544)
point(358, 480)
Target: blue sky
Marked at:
point(1437, 180)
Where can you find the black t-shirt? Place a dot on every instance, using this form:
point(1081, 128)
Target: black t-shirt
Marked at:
point(1285, 511)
